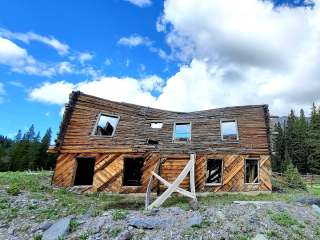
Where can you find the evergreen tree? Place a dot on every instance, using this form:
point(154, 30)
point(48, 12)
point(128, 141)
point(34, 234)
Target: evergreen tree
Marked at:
point(44, 158)
point(302, 147)
point(278, 163)
point(314, 140)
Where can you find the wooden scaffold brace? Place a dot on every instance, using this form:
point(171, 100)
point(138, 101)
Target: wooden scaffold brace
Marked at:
point(172, 187)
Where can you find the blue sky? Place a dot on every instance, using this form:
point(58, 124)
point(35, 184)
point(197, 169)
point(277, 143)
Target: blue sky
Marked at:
point(167, 54)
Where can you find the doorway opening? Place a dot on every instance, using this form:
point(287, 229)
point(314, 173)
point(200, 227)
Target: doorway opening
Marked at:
point(84, 171)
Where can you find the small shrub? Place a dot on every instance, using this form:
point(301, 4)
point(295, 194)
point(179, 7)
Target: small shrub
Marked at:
point(283, 219)
point(293, 179)
point(13, 190)
point(84, 236)
point(37, 237)
point(119, 215)
point(73, 225)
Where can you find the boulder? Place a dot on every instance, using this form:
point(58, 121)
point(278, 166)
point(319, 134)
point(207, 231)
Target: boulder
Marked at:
point(194, 221)
point(309, 200)
point(57, 230)
point(260, 237)
point(316, 208)
point(42, 226)
point(125, 235)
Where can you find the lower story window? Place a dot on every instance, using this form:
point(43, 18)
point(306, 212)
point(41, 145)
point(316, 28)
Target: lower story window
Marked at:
point(132, 171)
point(252, 171)
point(214, 172)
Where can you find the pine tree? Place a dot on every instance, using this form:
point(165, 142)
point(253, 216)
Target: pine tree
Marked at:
point(314, 140)
point(302, 148)
point(278, 148)
point(44, 158)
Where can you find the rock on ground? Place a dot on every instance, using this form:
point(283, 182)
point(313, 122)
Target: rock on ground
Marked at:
point(57, 230)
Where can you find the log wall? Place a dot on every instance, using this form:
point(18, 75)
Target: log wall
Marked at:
point(130, 140)
point(108, 172)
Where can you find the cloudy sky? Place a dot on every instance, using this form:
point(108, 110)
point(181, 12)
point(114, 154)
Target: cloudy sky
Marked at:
point(179, 55)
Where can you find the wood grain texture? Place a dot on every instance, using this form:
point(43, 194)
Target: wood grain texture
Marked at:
point(108, 173)
point(130, 140)
point(134, 129)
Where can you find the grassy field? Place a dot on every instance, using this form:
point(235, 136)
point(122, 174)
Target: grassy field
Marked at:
point(63, 203)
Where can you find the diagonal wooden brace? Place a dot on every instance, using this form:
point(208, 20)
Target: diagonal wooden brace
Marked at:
point(175, 185)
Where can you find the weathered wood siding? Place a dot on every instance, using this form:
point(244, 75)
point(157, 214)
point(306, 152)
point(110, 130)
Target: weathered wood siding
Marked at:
point(108, 173)
point(76, 140)
point(134, 128)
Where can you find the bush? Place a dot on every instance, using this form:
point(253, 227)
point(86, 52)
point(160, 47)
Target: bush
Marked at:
point(293, 179)
point(13, 190)
point(73, 225)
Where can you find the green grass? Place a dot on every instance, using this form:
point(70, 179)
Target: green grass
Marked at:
point(283, 219)
point(61, 203)
point(119, 215)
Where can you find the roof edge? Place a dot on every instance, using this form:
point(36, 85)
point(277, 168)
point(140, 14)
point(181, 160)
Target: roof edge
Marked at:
point(158, 109)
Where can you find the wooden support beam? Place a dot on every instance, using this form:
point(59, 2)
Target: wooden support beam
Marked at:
point(173, 186)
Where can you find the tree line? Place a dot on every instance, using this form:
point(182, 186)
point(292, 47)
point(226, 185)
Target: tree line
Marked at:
point(297, 141)
point(27, 151)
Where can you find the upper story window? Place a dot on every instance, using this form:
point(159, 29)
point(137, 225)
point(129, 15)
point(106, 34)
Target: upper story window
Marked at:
point(182, 132)
point(156, 125)
point(229, 130)
point(106, 125)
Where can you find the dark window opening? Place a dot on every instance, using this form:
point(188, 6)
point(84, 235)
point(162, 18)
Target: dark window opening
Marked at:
point(84, 171)
point(152, 141)
point(229, 130)
point(252, 168)
point(214, 171)
point(106, 125)
point(132, 172)
point(182, 132)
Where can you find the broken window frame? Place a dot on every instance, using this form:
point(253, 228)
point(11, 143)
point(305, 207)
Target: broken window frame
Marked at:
point(174, 140)
point(206, 169)
point(97, 123)
point(132, 158)
point(237, 130)
point(258, 171)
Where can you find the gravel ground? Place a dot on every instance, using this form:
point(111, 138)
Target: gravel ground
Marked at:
point(244, 220)
point(32, 209)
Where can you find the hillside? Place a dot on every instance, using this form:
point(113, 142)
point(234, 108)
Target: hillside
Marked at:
point(29, 206)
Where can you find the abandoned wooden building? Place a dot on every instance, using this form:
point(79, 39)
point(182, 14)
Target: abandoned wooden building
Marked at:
point(112, 146)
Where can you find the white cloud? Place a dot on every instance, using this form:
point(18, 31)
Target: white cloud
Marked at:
point(134, 41)
point(2, 92)
point(152, 83)
point(47, 114)
point(140, 3)
point(118, 89)
point(52, 93)
point(19, 60)
point(137, 40)
point(84, 57)
point(64, 67)
point(241, 52)
point(60, 47)
point(231, 53)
